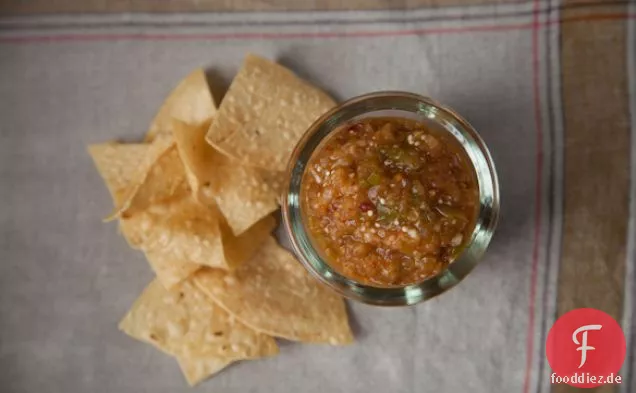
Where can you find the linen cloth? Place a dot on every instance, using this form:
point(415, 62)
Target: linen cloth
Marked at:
point(550, 85)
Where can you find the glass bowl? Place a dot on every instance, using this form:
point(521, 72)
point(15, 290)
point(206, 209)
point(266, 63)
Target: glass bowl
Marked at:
point(405, 105)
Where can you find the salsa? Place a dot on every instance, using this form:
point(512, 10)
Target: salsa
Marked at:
point(389, 201)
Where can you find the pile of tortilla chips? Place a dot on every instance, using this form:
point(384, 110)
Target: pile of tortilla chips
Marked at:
point(197, 198)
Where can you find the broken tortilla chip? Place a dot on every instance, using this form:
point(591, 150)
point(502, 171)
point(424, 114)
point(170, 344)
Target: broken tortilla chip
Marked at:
point(264, 113)
point(190, 102)
point(240, 192)
point(183, 322)
point(272, 293)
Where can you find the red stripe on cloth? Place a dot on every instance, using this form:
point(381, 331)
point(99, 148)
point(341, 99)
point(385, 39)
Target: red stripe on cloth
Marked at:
point(536, 26)
point(538, 191)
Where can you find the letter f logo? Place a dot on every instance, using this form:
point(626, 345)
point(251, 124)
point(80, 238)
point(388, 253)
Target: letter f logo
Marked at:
point(583, 344)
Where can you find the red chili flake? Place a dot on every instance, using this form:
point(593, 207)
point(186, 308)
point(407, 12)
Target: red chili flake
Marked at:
point(366, 206)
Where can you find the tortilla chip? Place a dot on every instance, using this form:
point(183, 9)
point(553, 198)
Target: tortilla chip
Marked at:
point(277, 181)
point(244, 200)
point(239, 249)
point(190, 102)
point(166, 180)
point(264, 113)
point(196, 370)
point(181, 230)
point(185, 233)
point(116, 164)
point(272, 293)
point(169, 271)
point(200, 160)
point(240, 192)
point(183, 322)
point(140, 173)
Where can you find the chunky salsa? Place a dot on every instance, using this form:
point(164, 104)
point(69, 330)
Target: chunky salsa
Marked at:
point(389, 201)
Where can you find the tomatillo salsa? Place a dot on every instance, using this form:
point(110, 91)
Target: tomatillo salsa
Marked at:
point(389, 201)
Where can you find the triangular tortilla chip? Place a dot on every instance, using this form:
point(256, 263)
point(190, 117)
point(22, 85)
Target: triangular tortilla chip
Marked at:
point(185, 233)
point(240, 249)
point(240, 192)
point(190, 102)
point(274, 294)
point(236, 251)
point(181, 230)
point(264, 113)
point(166, 180)
point(276, 181)
point(155, 150)
point(196, 370)
point(183, 322)
point(174, 231)
point(170, 271)
point(117, 164)
point(177, 233)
